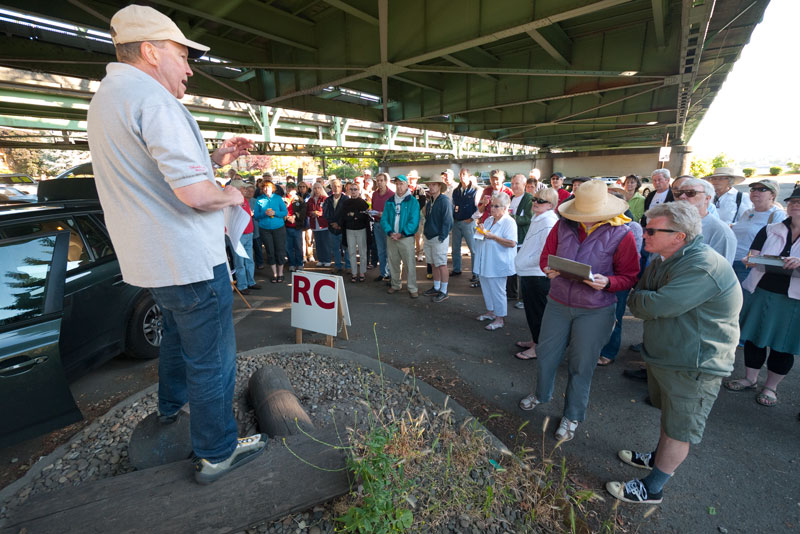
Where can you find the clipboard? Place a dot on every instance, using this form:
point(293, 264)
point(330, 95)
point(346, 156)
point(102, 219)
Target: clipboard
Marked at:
point(770, 264)
point(569, 269)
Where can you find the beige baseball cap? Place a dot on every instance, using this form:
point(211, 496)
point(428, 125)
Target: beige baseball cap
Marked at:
point(141, 23)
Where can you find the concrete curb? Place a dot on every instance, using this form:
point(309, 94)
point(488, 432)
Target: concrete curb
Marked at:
point(392, 374)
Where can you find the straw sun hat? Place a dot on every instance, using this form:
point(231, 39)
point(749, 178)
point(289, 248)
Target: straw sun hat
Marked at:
point(592, 203)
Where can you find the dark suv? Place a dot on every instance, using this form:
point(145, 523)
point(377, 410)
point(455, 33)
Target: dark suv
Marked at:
point(47, 338)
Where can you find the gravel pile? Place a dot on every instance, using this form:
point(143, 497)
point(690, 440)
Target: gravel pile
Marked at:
point(327, 387)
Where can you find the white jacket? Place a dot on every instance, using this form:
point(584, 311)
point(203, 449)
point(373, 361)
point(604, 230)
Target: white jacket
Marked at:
point(777, 234)
point(527, 260)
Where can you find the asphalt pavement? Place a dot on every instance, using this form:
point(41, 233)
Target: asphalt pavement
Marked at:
point(743, 477)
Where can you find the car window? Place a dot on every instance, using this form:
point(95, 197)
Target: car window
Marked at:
point(96, 238)
point(23, 272)
point(77, 254)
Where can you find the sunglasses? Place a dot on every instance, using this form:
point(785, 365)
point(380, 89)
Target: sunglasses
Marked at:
point(652, 231)
point(689, 193)
point(760, 189)
point(541, 201)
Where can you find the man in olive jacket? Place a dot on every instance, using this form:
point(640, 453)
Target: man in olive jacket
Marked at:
point(689, 300)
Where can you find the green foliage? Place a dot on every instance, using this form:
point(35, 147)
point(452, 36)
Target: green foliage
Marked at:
point(721, 160)
point(385, 485)
point(700, 167)
point(343, 172)
point(748, 172)
point(25, 161)
point(794, 168)
point(775, 171)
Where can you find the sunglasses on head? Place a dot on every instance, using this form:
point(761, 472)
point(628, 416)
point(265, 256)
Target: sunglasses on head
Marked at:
point(689, 193)
point(652, 231)
point(541, 200)
point(760, 189)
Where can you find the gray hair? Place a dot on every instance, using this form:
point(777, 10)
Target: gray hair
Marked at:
point(683, 217)
point(708, 189)
point(504, 199)
point(132, 52)
point(664, 172)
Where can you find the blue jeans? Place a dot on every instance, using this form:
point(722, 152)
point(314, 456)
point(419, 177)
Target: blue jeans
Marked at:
point(245, 268)
point(258, 254)
point(466, 230)
point(380, 242)
point(322, 246)
point(579, 334)
point(338, 252)
point(611, 349)
point(197, 361)
point(294, 246)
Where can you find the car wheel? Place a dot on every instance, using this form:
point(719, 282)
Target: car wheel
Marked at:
point(144, 330)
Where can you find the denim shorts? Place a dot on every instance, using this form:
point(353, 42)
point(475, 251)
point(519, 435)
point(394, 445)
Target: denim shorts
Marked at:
point(685, 399)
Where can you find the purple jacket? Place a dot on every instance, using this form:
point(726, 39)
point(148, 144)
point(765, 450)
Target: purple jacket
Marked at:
point(596, 250)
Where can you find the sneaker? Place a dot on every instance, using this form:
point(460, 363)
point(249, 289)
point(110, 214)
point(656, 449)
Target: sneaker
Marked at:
point(645, 460)
point(440, 297)
point(633, 491)
point(379, 278)
point(635, 348)
point(414, 294)
point(431, 292)
point(255, 286)
point(566, 430)
point(392, 290)
point(244, 291)
point(455, 273)
point(519, 305)
point(474, 278)
point(246, 450)
point(636, 374)
point(168, 419)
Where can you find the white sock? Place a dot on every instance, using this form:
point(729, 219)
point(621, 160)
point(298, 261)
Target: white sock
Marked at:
point(443, 287)
point(436, 284)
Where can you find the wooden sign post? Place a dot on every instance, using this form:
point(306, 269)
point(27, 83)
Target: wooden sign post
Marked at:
point(319, 304)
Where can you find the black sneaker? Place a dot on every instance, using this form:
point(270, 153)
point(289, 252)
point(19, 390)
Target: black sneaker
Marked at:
point(645, 460)
point(633, 491)
point(246, 450)
point(440, 297)
point(380, 277)
point(636, 374)
point(431, 292)
point(168, 419)
point(474, 278)
point(635, 348)
point(455, 273)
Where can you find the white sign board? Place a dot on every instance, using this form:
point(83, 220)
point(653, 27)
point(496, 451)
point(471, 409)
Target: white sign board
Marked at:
point(316, 301)
point(664, 152)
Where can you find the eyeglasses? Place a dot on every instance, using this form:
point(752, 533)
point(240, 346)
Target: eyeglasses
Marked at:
point(652, 231)
point(793, 201)
point(690, 193)
point(541, 201)
point(760, 189)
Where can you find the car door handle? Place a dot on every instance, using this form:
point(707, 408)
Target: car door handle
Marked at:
point(117, 280)
point(17, 368)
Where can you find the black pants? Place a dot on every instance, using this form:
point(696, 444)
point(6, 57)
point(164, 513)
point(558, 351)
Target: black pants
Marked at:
point(534, 296)
point(511, 287)
point(275, 243)
point(779, 363)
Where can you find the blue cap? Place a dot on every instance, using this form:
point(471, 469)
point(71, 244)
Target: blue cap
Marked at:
point(559, 174)
point(401, 178)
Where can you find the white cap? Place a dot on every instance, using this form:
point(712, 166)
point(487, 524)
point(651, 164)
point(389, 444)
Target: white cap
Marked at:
point(141, 23)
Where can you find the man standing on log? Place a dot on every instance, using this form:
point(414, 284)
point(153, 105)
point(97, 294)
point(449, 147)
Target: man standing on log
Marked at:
point(163, 211)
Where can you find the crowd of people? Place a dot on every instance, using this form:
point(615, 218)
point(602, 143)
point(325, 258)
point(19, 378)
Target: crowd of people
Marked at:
point(678, 258)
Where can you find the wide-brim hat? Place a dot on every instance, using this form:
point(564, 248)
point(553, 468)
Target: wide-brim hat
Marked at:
point(616, 189)
point(435, 180)
point(727, 171)
point(136, 23)
point(772, 185)
point(592, 203)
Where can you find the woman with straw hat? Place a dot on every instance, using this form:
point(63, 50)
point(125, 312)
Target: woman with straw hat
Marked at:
point(592, 231)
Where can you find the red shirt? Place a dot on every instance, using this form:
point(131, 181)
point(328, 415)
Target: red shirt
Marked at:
point(378, 201)
point(246, 207)
point(488, 192)
point(316, 223)
point(626, 258)
point(563, 195)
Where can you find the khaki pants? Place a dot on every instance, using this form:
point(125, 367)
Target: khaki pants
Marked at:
point(402, 250)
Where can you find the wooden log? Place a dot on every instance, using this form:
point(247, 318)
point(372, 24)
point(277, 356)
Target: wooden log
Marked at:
point(166, 499)
point(275, 403)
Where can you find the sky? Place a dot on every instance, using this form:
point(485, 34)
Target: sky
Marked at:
point(756, 114)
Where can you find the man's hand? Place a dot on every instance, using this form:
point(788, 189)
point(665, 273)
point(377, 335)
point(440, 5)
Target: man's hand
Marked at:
point(335, 226)
point(231, 149)
point(396, 236)
point(790, 262)
point(206, 196)
point(551, 273)
point(599, 282)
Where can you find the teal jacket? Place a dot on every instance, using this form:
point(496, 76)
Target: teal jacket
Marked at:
point(409, 215)
point(690, 305)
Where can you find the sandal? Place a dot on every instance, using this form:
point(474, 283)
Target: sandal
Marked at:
point(767, 400)
point(602, 361)
point(486, 317)
point(523, 355)
point(362, 278)
point(274, 280)
point(494, 326)
point(475, 284)
point(740, 384)
point(524, 344)
point(280, 279)
point(529, 403)
point(353, 279)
